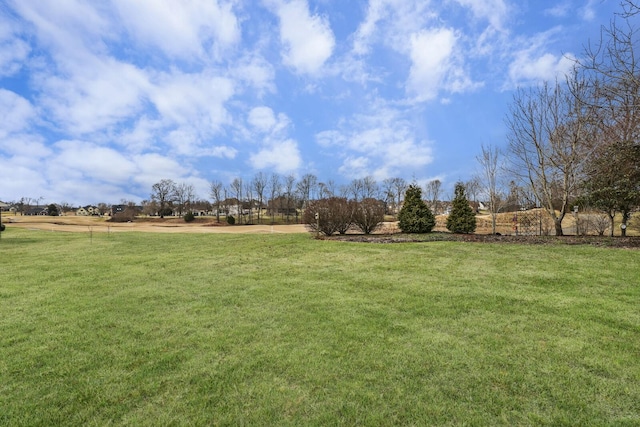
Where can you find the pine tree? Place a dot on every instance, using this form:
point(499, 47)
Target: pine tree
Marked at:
point(415, 216)
point(462, 219)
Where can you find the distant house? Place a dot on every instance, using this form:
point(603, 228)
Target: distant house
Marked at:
point(118, 209)
point(4, 206)
point(36, 211)
point(88, 211)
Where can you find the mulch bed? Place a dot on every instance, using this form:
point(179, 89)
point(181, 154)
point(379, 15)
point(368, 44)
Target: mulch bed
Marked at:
point(602, 241)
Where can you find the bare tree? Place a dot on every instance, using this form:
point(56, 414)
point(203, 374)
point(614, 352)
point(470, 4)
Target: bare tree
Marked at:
point(275, 188)
point(472, 187)
point(550, 135)
point(364, 188)
point(184, 195)
point(306, 187)
point(216, 191)
point(259, 184)
point(164, 193)
point(289, 195)
point(400, 188)
point(432, 193)
point(327, 189)
point(236, 189)
point(491, 165)
point(248, 194)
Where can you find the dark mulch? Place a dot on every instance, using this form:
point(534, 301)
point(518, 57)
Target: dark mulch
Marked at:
point(610, 242)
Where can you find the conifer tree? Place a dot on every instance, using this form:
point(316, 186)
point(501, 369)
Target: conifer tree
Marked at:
point(462, 219)
point(415, 216)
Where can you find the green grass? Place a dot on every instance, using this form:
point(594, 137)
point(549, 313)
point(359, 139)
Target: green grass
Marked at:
point(204, 329)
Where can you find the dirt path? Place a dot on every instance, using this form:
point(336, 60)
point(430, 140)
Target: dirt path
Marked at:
point(85, 224)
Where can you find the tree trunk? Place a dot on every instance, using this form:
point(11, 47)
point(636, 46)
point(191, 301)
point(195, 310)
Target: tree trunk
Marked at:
point(558, 224)
point(611, 224)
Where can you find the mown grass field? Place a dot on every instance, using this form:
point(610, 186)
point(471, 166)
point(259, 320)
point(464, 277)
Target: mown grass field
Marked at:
point(212, 329)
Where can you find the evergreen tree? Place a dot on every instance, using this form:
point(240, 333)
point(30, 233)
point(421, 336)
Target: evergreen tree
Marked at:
point(52, 210)
point(415, 216)
point(462, 219)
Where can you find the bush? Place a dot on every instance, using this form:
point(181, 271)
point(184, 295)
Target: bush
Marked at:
point(2, 227)
point(368, 215)
point(52, 210)
point(128, 215)
point(462, 219)
point(415, 216)
point(334, 215)
point(231, 220)
point(189, 217)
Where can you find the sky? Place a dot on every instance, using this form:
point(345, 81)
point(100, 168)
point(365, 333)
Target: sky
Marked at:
point(99, 100)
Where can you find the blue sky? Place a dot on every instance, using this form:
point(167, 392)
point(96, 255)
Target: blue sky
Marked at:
point(101, 99)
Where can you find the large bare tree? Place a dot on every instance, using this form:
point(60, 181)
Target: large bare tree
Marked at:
point(163, 192)
point(550, 135)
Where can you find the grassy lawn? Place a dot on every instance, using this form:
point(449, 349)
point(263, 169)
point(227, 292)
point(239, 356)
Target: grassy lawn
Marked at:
point(220, 329)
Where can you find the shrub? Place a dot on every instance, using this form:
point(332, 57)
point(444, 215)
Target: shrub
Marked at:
point(462, 219)
point(2, 227)
point(334, 215)
point(231, 220)
point(189, 217)
point(128, 215)
point(52, 210)
point(415, 216)
point(368, 214)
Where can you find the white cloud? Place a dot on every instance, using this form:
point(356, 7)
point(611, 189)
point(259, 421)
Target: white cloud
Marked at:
point(16, 112)
point(431, 59)
point(391, 23)
point(25, 180)
point(72, 29)
point(152, 167)
point(262, 119)
point(254, 71)
point(381, 143)
point(545, 67)
point(13, 50)
point(588, 12)
point(181, 29)
point(25, 149)
point(355, 167)
point(435, 65)
point(494, 11)
point(559, 10)
point(99, 94)
point(281, 156)
point(533, 63)
point(192, 99)
point(140, 136)
point(367, 28)
point(84, 160)
point(308, 40)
